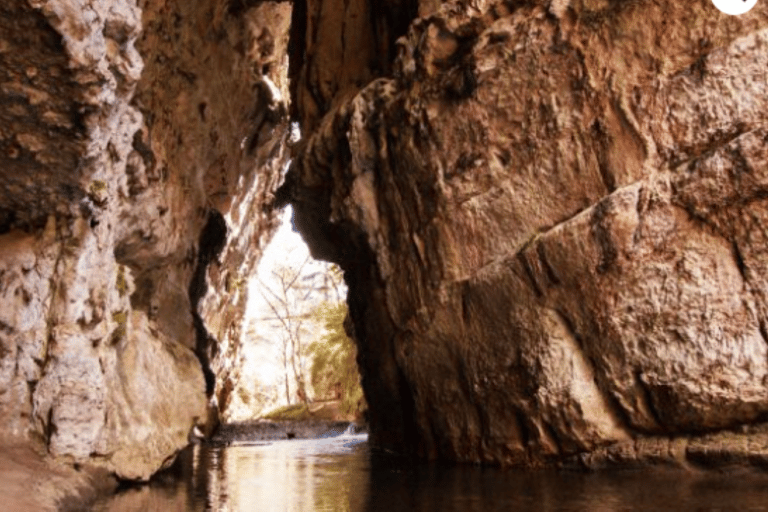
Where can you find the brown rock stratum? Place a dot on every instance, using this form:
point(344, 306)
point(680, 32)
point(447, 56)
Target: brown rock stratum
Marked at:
point(552, 218)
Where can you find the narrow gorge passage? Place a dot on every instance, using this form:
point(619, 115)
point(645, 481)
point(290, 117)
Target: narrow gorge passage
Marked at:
point(550, 217)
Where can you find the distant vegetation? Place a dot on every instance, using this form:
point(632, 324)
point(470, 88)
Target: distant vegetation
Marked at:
point(334, 371)
point(289, 412)
point(304, 319)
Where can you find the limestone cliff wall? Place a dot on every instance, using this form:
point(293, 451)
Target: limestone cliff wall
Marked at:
point(140, 144)
point(552, 220)
point(551, 217)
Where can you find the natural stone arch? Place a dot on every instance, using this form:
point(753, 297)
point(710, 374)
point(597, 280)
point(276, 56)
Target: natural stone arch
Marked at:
point(507, 186)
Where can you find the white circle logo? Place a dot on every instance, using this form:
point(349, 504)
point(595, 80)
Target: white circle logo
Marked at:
point(734, 7)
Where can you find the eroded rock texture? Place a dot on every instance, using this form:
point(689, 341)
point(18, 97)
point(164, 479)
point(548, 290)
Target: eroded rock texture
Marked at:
point(552, 219)
point(551, 216)
point(139, 146)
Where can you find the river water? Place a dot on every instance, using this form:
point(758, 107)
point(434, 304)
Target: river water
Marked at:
point(340, 474)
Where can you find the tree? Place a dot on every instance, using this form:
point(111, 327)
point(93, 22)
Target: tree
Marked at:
point(291, 296)
point(284, 300)
point(334, 368)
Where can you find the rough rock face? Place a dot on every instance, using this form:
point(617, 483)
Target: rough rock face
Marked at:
point(551, 215)
point(139, 147)
point(552, 218)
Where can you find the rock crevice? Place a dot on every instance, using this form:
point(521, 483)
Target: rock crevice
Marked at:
point(141, 146)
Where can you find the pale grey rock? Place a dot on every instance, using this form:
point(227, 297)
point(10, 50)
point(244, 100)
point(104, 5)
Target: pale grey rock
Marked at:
point(129, 129)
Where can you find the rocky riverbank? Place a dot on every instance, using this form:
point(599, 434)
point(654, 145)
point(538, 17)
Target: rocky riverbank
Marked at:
point(30, 482)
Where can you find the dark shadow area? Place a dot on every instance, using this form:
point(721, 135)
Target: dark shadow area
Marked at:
point(342, 473)
point(212, 240)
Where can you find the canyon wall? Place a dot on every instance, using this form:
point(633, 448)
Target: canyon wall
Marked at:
point(552, 218)
point(140, 144)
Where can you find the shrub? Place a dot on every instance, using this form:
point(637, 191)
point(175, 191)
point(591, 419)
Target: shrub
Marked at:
point(334, 369)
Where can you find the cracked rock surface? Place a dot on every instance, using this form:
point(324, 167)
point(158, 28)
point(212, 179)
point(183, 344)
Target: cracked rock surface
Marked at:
point(140, 144)
point(552, 221)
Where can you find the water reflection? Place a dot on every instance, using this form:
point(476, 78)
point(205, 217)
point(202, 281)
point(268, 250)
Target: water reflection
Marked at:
point(339, 474)
point(290, 476)
point(470, 489)
point(319, 474)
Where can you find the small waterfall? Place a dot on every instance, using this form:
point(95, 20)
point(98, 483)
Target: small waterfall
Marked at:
point(354, 430)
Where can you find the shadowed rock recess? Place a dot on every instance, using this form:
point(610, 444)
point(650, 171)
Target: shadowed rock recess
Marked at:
point(552, 218)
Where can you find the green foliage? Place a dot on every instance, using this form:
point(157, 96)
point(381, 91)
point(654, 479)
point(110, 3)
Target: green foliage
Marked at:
point(245, 397)
point(120, 332)
point(334, 370)
point(121, 282)
point(97, 187)
point(234, 282)
point(289, 412)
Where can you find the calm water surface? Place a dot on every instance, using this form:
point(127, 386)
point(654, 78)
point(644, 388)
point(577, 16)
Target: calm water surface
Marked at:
point(340, 474)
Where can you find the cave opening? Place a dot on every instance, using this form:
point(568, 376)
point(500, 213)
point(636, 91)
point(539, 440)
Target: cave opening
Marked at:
point(546, 257)
point(297, 359)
